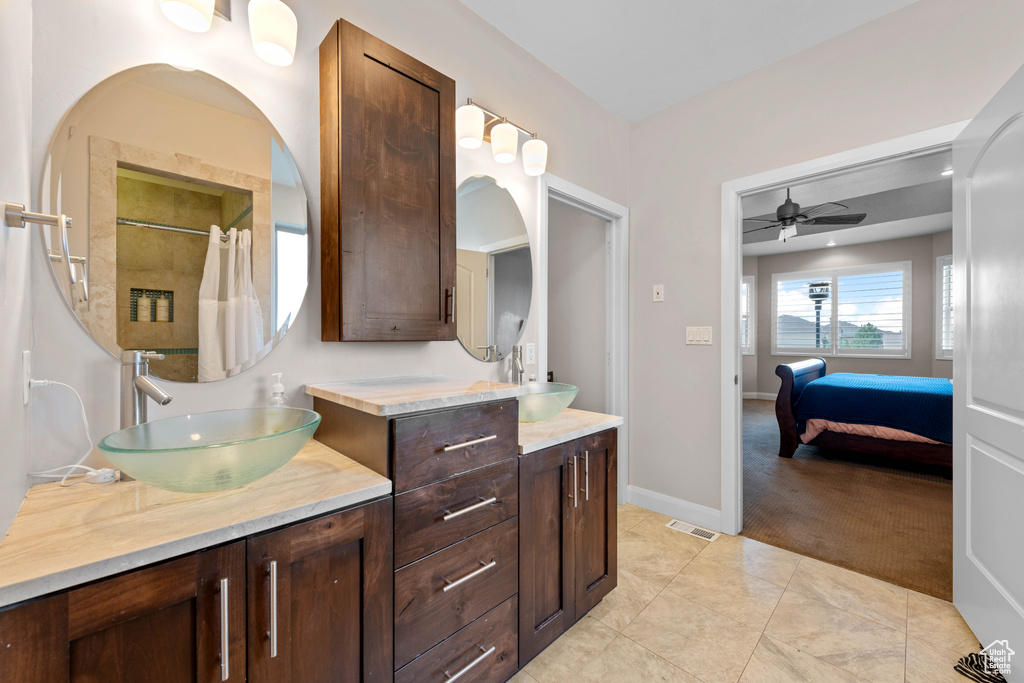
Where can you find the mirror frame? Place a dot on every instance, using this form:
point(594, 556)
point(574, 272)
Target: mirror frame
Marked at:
point(46, 189)
point(500, 355)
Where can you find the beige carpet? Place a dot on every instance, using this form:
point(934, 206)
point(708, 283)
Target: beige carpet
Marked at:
point(886, 519)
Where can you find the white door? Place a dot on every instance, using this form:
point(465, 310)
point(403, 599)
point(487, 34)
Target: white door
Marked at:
point(988, 373)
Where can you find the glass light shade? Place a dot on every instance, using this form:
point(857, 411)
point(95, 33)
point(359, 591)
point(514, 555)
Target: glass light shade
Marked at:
point(192, 15)
point(535, 156)
point(504, 142)
point(273, 28)
point(469, 126)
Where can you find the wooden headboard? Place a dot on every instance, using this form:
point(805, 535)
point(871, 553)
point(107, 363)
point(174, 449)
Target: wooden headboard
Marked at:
point(795, 377)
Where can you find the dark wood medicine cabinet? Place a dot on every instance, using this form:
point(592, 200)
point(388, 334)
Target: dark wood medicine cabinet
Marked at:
point(387, 192)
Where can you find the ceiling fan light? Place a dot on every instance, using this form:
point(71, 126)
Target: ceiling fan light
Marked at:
point(504, 142)
point(535, 157)
point(191, 15)
point(274, 29)
point(469, 126)
point(787, 231)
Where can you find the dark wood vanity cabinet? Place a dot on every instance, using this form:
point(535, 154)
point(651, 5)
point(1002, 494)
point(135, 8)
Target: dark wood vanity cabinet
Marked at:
point(170, 622)
point(387, 177)
point(567, 536)
point(161, 624)
point(320, 599)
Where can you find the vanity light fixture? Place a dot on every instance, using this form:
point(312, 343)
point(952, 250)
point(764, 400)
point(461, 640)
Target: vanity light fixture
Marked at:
point(274, 28)
point(191, 15)
point(272, 24)
point(475, 124)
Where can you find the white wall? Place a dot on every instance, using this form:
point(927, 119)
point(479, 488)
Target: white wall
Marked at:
point(917, 250)
point(749, 366)
point(15, 252)
point(577, 274)
point(78, 44)
point(932, 63)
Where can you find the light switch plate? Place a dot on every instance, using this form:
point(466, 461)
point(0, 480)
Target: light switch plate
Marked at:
point(698, 335)
point(531, 355)
point(659, 292)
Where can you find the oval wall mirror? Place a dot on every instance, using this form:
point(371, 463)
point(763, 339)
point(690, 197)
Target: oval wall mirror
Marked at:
point(494, 282)
point(189, 232)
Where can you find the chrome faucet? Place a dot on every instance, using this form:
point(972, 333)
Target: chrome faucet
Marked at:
point(136, 386)
point(517, 361)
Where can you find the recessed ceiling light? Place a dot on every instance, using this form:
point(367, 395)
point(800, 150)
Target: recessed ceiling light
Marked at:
point(948, 171)
point(831, 243)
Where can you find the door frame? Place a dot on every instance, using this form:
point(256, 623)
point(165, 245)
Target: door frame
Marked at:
point(733, 192)
point(616, 299)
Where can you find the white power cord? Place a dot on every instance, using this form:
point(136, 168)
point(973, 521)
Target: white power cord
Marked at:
point(92, 476)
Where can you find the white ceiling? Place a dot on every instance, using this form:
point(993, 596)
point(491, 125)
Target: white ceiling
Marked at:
point(638, 57)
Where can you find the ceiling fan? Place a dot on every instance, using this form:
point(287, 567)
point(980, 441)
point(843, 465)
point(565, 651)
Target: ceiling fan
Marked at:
point(789, 215)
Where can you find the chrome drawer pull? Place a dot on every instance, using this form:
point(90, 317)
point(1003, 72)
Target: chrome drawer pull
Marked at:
point(224, 672)
point(586, 472)
point(575, 480)
point(474, 442)
point(273, 609)
point(463, 670)
point(467, 577)
point(475, 506)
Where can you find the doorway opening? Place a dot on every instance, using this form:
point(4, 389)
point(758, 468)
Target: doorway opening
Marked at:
point(860, 293)
point(590, 351)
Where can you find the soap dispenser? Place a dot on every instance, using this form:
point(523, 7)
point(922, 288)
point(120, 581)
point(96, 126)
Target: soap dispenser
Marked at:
point(277, 399)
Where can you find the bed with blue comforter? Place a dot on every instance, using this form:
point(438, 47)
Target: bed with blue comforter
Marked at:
point(921, 406)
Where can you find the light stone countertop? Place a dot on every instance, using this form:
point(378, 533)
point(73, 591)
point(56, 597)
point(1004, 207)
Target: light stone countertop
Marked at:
point(567, 425)
point(388, 396)
point(63, 537)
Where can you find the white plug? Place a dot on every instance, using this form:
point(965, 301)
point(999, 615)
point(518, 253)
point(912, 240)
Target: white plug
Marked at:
point(103, 476)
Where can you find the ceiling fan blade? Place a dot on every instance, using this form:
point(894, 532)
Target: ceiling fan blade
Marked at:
point(823, 209)
point(763, 227)
point(845, 219)
point(763, 220)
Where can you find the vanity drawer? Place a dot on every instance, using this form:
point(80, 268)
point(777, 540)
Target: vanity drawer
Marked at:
point(470, 650)
point(479, 573)
point(440, 445)
point(421, 526)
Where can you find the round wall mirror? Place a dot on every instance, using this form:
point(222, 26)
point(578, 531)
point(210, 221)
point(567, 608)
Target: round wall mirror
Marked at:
point(189, 233)
point(495, 272)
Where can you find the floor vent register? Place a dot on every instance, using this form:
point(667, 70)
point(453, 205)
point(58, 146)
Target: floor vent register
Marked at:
point(692, 530)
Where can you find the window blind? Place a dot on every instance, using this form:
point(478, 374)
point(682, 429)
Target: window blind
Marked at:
point(854, 311)
point(944, 307)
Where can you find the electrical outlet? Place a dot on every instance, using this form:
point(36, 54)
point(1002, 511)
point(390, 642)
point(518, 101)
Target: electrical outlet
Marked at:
point(26, 376)
point(659, 292)
point(531, 354)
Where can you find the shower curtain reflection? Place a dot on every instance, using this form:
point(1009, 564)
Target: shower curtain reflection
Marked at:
point(230, 317)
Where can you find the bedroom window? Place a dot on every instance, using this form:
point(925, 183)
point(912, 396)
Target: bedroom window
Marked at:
point(748, 326)
point(858, 311)
point(944, 308)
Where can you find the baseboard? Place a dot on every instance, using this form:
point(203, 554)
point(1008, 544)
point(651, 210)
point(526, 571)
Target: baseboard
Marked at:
point(759, 395)
point(686, 511)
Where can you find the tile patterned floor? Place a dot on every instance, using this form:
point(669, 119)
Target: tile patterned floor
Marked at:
point(739, 610)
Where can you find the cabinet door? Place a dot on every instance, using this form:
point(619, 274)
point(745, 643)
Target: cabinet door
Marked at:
point(596, 535)
point(546, 547)
point(170, 622)
point(320, 599)
point(387, 129)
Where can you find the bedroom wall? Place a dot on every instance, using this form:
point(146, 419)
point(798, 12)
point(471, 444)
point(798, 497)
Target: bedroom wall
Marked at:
point(932, 63)
point(749, 363)
point(918, 250)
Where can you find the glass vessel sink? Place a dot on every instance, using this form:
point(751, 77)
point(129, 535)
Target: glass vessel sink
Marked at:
point(213, 451)
point(544, 400)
